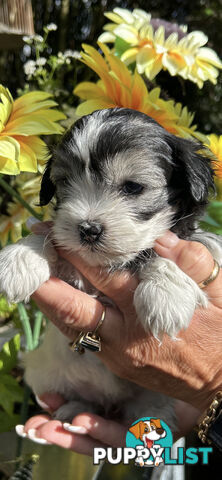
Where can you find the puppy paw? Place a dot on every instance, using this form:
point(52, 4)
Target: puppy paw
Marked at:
point(69, 410)
point(23, 268)
point(166, 298)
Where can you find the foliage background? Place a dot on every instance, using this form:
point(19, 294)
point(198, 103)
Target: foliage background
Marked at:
point(82, 21)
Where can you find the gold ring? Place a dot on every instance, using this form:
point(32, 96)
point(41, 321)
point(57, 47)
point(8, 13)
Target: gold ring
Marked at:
point(89, 340)
point(212, 276)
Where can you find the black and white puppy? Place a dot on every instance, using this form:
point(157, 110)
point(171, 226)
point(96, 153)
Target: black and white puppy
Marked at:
point(119, 181)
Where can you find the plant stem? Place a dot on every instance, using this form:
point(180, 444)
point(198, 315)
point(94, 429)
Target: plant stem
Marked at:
point(26, 326)
point(23, 418)
point(27, 391)
point(37, 328)
point(15, 194)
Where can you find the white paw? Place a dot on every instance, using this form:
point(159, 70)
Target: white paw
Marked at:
point(166, 298)
point(23, 268)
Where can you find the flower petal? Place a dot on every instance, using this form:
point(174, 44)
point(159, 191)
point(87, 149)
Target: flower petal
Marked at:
point(129, 56)
point(113, 17)
point(145, 59)
point(126, 15)
point(88, 90)
point(27, 158)
point(38, 146)
point(139, 13)
point(170, 62)
point(35, 124)
point(89, 106)
point(9, 155)
point(6, 105)
point(208, 55)
point(127, 33)
point(107, 37)
point(32, 107)
point(30, 98)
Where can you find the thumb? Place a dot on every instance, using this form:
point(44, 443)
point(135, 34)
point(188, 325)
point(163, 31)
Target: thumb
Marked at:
point(194, 259)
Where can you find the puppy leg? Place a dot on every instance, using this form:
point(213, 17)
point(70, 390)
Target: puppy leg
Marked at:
point(52, 367)
point(24, 266)
point(166, 298)
point(69, 410)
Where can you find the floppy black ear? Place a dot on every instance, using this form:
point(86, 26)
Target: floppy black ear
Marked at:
point(47, 187)
point(193, 169)
point(191, 180)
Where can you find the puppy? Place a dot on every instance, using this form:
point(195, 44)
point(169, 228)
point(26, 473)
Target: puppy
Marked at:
point(148, 431)
point(118, 181)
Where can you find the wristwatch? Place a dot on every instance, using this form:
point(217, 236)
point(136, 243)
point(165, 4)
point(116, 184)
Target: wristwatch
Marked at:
point(210, 425)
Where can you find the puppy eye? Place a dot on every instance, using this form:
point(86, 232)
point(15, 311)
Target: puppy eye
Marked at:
point(132, 188)
point(62, 181)
point(145, 430)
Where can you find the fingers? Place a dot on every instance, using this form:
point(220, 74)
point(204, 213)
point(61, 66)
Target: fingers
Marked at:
point(119, 286)
point(98, 432)
point(105, 431)
point(194, 259)
point(41, 429)
point(36, 422)
point(70, 309)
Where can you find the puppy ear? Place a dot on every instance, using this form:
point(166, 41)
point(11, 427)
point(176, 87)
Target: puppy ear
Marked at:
point(156, 422)
point(193, 171)
point(135, 429)
point(47, 187)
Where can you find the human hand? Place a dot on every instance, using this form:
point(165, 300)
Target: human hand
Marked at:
point(183, 370)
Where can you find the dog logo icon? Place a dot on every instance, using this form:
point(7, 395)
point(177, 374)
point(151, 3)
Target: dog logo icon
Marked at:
point(149, 436)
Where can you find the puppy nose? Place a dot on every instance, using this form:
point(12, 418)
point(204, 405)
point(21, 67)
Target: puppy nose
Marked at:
point(90, 231)
point(160, 431)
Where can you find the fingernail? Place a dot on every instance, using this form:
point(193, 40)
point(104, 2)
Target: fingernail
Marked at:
point(168, 240)
point(32, 436)
point(31, 221)
point(20, 431)
point(74, 429)
point(42, 404)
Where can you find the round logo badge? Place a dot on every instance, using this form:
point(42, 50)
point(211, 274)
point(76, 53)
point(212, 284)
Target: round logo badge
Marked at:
point(149, 436)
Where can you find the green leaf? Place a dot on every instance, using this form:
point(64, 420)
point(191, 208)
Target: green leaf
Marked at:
point(209, 12)
point(120, 46)
point(10, 392)
point(215, 211)
point(211, 228)
point(8, 355)
point(5, 308)
point(7, 422)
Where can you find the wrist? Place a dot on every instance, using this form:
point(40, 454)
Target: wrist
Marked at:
point(210, 424)
point(208, 393)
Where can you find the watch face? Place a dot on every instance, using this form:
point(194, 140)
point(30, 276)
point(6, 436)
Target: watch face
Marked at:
point(215, 432)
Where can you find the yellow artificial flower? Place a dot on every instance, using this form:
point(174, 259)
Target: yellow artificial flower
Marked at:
point(155, 44)
point(120, 87)
point(11, 225)
point(21, 123)
point(215, 146)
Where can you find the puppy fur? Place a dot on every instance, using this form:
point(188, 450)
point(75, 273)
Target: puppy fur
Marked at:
point(120, 175)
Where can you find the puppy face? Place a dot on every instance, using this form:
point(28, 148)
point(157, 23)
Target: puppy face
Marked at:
point(148, 431)
point(114, 179)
